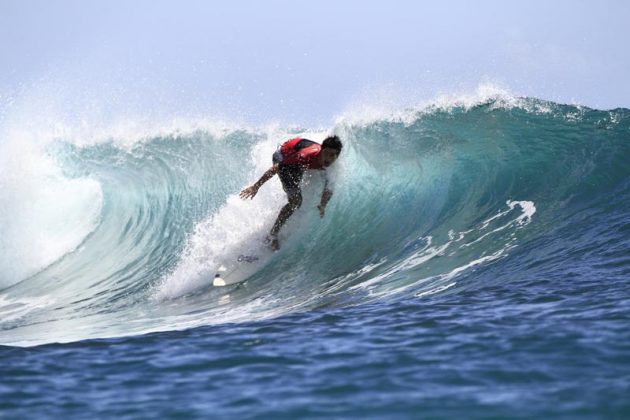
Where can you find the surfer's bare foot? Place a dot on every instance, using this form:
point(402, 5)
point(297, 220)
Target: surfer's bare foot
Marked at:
point(272, 241)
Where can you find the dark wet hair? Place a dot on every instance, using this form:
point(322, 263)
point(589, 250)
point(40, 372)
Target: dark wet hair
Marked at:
point(332, 142)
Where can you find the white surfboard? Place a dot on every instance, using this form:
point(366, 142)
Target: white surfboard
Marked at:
point(241, 268)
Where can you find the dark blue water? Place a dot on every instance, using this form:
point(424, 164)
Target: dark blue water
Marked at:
point(496, 351)
point(474, 262)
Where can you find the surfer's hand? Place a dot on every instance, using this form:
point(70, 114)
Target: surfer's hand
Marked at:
point(248, 192)
point(322, 210)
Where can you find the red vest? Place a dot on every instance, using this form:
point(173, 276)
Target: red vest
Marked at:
point(302, 152)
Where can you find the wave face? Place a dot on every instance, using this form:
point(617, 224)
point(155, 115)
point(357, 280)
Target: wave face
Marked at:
point(116, 240)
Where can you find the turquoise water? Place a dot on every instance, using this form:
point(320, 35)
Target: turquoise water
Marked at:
point(473, 262)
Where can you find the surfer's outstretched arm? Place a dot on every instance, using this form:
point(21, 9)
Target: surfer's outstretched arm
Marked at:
point(251, 191)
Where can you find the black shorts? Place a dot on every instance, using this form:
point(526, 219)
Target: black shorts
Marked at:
point(291, 177)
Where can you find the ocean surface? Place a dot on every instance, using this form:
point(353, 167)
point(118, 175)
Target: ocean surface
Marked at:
point(473, 262)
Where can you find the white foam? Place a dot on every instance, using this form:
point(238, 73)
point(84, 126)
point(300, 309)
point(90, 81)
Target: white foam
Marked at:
point(456, 241)
point(528, 210)
point(43, 215)
point(365, 112)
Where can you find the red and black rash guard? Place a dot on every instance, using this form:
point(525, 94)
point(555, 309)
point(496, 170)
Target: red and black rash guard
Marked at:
point(301, 152)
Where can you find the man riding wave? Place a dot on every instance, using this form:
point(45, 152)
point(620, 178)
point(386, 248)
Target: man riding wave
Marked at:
point(290, 161)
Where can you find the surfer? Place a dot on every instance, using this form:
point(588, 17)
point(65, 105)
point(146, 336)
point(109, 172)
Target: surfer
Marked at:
point(289, 162)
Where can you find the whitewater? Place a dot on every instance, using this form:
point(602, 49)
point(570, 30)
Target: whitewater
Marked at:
point(480, 219)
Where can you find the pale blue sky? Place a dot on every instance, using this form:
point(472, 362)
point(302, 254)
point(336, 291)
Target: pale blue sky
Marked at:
point(306, 62)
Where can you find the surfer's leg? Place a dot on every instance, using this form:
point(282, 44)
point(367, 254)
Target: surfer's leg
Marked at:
point(295, 201)
point(290, 176)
